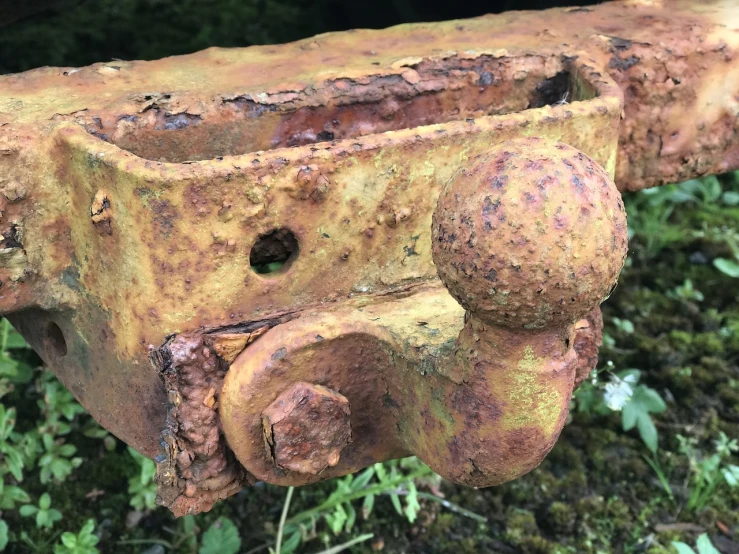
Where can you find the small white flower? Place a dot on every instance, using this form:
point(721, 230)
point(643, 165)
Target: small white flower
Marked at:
point(617, 393)
point(631, 379)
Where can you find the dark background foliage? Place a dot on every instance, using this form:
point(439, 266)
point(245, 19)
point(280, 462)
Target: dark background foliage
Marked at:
point(35, 33)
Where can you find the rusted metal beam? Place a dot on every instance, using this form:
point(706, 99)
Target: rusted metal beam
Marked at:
point(139, 198)
point(674, 62)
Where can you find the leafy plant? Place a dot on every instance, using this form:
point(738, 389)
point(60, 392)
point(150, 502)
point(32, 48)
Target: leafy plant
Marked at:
point(57, 405)
point(83, 542)
point(46, 516)
point(623, 325)
point(703, 546)
point(10, 495)
point(58, 461)
point(222, 537)
point(649, 211)
point(706, 190)
point(348, 544)
point(686, 291)
point(12, 464)
point(588, 397)
point(186, 533)
point(93, 431)
point(636, 411)
point(709, 472)
point(396, 479)
point(731, 475)
point(648, 218)
point(184, 537)
point(338, 510)
point(14, 452)
point(623, 393)
point(142, 488)
point(12, 370)
point(727, 267)
point(3, 535)
point(635, 401)
point(12, 457)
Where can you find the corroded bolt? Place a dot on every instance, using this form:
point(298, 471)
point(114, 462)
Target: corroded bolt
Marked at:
point(306, 428)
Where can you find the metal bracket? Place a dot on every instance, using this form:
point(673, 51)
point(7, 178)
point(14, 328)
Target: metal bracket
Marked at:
point(274, 245)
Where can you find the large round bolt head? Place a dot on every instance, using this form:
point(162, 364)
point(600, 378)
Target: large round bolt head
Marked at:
point(306, 427)
point(531, 234)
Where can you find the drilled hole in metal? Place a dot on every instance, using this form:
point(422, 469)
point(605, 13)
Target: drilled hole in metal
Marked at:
point(54, 339)
point(273, 251)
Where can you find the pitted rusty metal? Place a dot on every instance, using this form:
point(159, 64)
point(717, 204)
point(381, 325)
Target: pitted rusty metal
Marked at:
point(177, 257)
point(136, 197)
point(392, 359)
point(196, 469)
point(588, 339)
point(530, 235)
point(306, 428)
point(673, 60)
point(375, 352)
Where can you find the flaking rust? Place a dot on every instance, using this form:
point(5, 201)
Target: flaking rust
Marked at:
point(195, 468)
point(184, 257)
point(306, 428)
point(101, 212)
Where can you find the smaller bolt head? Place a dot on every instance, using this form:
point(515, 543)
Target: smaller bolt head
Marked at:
point(306, 427)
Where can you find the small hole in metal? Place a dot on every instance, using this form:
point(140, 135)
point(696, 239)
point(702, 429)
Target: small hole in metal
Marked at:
point(54, 339)
point(273, 251)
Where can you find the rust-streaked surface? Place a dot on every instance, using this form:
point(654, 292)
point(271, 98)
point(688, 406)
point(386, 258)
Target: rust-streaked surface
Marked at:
point(133, 193)
point(172, 253)
point(479, 393)
point(306, 428)
point(195, 468)
point(674, 60)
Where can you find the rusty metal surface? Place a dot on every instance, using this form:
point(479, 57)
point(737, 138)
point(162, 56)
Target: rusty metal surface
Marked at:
point(387, 359)
point(195, 468)
point(674, 60)
point(588, 339)
point(137, 196)
point(174, 253)
point(530, 234)
point(529, 237)
point(306, 428)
